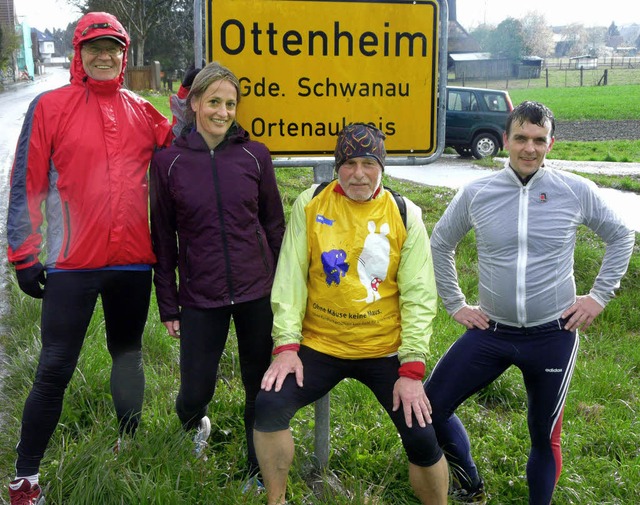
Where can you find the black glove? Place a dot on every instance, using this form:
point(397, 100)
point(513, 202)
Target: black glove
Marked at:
point(189, 76)
point(29, 280)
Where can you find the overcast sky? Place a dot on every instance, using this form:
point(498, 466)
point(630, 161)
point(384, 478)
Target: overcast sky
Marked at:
point(57, 13)
point(42, 14)
point(471, 13)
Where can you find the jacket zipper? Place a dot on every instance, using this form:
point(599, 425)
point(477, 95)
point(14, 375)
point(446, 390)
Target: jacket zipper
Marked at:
point(187, 262)
point(521, 264)
point(225, 243)
point(67, 218)
point(263, 253)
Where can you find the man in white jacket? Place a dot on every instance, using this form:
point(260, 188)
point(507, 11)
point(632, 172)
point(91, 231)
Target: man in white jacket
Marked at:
point(525, 219)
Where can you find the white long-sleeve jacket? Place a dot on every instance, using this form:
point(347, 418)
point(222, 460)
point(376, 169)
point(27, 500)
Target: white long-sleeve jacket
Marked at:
point(525, 237)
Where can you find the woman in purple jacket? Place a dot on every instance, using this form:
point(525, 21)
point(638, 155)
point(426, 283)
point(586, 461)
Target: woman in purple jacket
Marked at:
point(216, 215)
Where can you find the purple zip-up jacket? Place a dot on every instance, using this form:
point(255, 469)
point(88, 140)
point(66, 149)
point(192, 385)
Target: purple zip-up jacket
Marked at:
point(216, 215)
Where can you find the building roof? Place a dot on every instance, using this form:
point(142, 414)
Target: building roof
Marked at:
point(471, 57)
point(43, 36)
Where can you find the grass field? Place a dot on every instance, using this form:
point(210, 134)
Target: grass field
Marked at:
point(601, 439)
point(601, 434)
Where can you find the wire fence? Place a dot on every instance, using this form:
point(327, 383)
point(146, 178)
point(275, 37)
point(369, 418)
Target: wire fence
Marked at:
point(559, 73)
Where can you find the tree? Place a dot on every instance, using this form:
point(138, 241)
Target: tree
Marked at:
point(575, 39)
point(595, 39)
point(482, 35)
point(613, 37)
point(140, 18)
point(507, 40)
point(537, 35)
point(9, 43)
point(613, 31)
point(172, 45)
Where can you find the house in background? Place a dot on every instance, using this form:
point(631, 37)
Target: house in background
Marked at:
point(43, 45)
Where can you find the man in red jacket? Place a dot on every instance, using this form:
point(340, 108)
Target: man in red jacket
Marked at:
point(84, 152)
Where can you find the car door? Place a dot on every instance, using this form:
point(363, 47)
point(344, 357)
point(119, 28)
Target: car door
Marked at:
point(462, 115)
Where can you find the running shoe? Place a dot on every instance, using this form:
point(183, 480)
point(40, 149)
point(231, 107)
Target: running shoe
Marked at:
point(21, 492)
point(201, 436)
point(476, 495)
point(253, 485)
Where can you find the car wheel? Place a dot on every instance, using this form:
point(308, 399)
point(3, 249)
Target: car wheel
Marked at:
point(484, 144)
point(464, 152)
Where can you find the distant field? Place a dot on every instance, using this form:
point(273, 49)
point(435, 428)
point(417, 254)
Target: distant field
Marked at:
point(586, 103)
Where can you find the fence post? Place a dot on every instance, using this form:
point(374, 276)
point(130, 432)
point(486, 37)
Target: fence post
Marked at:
point(322, 172)
point(156, 83)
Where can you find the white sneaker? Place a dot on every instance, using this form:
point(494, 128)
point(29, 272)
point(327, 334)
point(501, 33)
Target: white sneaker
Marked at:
point(201, 436)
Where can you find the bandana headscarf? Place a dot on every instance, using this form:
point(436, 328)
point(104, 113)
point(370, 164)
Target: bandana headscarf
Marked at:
point(360, 140)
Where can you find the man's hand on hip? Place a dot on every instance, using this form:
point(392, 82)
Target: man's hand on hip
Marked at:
point(472, 317)
point(582, 313)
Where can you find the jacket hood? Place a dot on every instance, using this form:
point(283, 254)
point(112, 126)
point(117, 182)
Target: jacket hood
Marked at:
point(91, 26)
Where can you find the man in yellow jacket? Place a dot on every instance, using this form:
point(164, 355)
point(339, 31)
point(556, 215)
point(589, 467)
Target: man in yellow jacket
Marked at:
point(354, 296)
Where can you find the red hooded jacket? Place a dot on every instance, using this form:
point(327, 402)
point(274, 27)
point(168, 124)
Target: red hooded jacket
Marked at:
point(85, 149)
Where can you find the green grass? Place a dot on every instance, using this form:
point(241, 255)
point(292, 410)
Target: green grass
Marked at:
point(586, 103)
point(601, 430)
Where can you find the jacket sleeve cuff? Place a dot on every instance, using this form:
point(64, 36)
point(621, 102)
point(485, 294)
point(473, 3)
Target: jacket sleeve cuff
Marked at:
point(29, 261)
point(412, 370)
point(286, 347)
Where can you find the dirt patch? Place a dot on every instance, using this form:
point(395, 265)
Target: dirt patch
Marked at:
point(595, 131)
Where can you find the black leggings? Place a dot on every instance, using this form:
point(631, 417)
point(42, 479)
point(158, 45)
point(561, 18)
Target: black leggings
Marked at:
point(321, 373)
point(68, 305)
point(203, 335)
